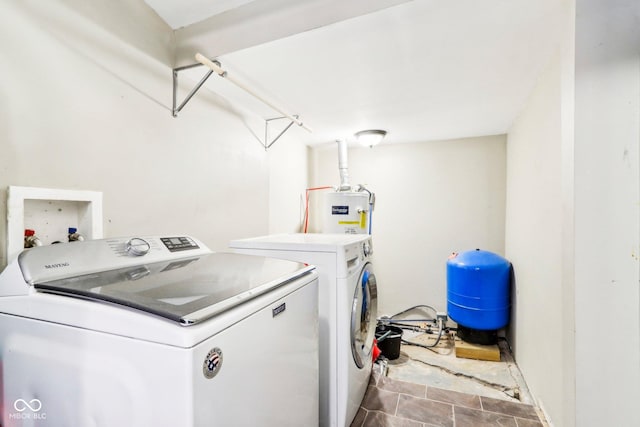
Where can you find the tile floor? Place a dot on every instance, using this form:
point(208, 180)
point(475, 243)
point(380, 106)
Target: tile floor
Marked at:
point(395, 403)
point(425, 388)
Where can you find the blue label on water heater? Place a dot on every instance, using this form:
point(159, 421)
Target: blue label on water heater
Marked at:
point(339, 210)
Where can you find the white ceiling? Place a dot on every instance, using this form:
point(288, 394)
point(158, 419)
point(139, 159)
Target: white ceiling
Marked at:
point(422, 70)
point(181, 13)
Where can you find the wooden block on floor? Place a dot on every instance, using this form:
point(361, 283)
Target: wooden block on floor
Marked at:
point(477, 351)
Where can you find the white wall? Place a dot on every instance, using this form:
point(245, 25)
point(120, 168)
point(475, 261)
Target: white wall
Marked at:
point(288, 177)
point(573, 221)
point(86, 100)
point(432, 199)
point(539, 333)
point(607, 212)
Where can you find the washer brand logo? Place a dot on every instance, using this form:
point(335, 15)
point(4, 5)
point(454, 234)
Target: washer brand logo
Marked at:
point(339, 210)
point(59, 265)
point(212, 363)
point(27, 410)
point(279, 309)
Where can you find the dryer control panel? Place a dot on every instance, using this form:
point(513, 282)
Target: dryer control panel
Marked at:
point(355, 255)
point(367, 248)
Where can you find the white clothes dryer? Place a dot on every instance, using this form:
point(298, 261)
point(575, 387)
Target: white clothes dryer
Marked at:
point(347, 311)
point(156, 331)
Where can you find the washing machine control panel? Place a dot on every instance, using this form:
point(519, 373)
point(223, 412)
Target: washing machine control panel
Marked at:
point(175, 244)
point(56, 262)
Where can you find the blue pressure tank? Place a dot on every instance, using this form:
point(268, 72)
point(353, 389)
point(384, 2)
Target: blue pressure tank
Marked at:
point(478, 290)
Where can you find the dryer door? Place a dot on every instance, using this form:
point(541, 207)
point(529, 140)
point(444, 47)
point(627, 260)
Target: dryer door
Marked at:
point(363, 316)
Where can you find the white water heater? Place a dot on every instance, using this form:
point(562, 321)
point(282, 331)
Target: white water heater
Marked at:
point(346, 212)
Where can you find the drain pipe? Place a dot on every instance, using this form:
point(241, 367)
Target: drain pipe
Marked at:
point(343, 166)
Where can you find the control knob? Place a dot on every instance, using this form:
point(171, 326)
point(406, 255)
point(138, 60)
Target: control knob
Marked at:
point(366, 249)
point(137, 247)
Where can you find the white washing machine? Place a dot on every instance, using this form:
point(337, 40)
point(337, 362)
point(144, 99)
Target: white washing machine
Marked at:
point(156, 332)
point(347, 310)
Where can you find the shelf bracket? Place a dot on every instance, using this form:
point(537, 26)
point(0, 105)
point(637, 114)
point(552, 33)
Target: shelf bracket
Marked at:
point(215, 66)
point(177, 108)
point(266, 143)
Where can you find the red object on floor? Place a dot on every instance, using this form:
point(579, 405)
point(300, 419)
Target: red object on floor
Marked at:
point(375, 353)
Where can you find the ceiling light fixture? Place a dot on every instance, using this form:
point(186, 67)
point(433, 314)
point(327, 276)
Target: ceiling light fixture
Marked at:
point(372, 137)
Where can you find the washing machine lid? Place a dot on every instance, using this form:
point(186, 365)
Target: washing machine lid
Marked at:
point(186, 291)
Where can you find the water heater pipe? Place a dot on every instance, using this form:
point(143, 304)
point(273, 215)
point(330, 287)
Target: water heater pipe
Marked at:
point(343, 166)
point(305, 226)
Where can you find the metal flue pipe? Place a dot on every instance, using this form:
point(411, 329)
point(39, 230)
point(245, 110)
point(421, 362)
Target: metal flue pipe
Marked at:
point(343, 166)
